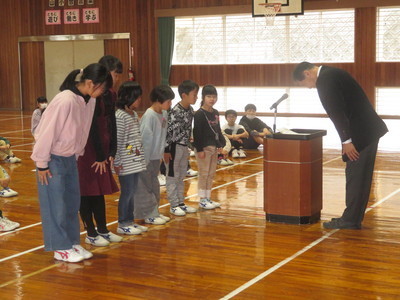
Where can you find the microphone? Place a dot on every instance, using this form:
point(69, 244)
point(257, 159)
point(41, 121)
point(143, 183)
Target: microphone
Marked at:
point(275, 105)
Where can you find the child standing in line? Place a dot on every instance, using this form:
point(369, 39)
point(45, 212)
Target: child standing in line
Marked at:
point(60, 138)
point(153, 128)
point(208, 141)
point(236, 133)
point(129, 158)
point(95, 175)
point(176, 154)
point(41, 104)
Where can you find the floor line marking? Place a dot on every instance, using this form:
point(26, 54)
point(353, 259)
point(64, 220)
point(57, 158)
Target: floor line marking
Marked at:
point(294, 256)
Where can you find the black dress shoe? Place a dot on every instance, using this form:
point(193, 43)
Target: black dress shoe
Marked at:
point(337, 223)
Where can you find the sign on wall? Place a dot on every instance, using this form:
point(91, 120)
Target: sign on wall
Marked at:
point(71, 16)
point(90, 15)
point(53, 17)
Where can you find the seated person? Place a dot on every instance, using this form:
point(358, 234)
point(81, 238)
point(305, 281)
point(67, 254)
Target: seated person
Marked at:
point(41, 104)
point(5, 151)
point(256, 128)
point(5, 191)
point(236, 133)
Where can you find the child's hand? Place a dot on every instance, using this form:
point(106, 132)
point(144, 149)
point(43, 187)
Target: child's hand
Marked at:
point(201, 155)
point(117, 169)
point(43, 176)
point(167, 158)
point(100, 165)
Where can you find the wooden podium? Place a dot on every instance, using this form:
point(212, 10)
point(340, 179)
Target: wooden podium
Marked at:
point(293, 176)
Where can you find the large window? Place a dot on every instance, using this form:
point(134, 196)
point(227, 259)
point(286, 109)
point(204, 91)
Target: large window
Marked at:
point(321, 36)
point(388, 34)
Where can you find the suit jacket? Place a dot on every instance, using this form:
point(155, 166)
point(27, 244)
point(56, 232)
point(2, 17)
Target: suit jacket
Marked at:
point(349, 108)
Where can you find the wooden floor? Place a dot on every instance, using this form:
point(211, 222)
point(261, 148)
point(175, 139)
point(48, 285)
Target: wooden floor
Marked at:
point(231, 252)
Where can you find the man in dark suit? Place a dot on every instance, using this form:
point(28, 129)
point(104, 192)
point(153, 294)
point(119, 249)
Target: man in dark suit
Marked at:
point(359, 128)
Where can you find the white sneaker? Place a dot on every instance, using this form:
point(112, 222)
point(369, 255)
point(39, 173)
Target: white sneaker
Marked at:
point(191, 154)
point(129, 230)
point(82, 251)
point(206, 204)
point(229, 162)
point(165, 218)
point(235, 153)
point(191, 173)
point(13, 160)
point(142, 228)
point(7, 192)
point(155, 221)
point(223, 162)
point(98, 241)
point(7, 225)
point(68, 255)
point(161, 179)
point(242, 153)
point(177, 211)
point(216, 204)
point(111, 237)
point(188, 209)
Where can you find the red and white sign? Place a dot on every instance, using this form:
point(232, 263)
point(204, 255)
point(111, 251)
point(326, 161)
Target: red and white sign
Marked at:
point(71, 16)
point(53, 17)
point(90, 15)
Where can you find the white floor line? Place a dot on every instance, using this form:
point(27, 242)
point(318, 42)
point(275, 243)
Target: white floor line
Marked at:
point(277, 266)
point(111, 223)
point(298, 253)
point(29, 144)
point(14, 131)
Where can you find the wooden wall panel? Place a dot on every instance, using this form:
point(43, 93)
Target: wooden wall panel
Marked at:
point(26, 18)
point(120, 49)
point(33, 80)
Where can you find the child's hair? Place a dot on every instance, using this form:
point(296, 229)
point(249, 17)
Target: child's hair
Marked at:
point(111, 63)
point(95, 72)
point(41, 99)
point(207, 90)
point(128, 93)
point(230, 112)
point(187, 86)
point(161, 93)
point(250, 106)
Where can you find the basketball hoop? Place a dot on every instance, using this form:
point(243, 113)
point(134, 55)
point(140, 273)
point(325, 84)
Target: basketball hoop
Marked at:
point(270, 11)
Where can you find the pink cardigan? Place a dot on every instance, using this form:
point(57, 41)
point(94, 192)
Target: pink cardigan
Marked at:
point(64, 128)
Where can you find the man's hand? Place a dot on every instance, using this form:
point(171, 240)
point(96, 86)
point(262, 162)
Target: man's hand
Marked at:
point(350, 151)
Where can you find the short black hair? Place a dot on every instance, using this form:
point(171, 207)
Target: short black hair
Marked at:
point(250, 106)
point(112, 63)
point(128, 93)
point(298, 73)
point(208, 90)
point(187, 86)
point(41, 99)
point(230, 112)
point(161, 93)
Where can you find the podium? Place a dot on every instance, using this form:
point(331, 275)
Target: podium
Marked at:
point(293, 176)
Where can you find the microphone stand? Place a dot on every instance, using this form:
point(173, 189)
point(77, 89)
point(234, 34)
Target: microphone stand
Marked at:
point(274, 126)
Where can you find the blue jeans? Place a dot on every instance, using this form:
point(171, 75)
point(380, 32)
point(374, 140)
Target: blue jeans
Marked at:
point(59, 204)
point(126, 202)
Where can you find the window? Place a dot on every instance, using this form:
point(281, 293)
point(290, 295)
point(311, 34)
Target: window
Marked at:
point(388, 34)
point(322, 36)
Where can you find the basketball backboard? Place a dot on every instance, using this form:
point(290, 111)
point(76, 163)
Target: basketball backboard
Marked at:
point(288, 7)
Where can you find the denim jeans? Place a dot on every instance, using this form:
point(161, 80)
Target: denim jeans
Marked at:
point(126, 202)
point(59, 204)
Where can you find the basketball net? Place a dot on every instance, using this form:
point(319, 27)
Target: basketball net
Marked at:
point(271, 9)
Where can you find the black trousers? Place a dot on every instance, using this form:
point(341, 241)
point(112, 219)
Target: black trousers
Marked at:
point(93, 206)
point(235, 144)
point(358, 185)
